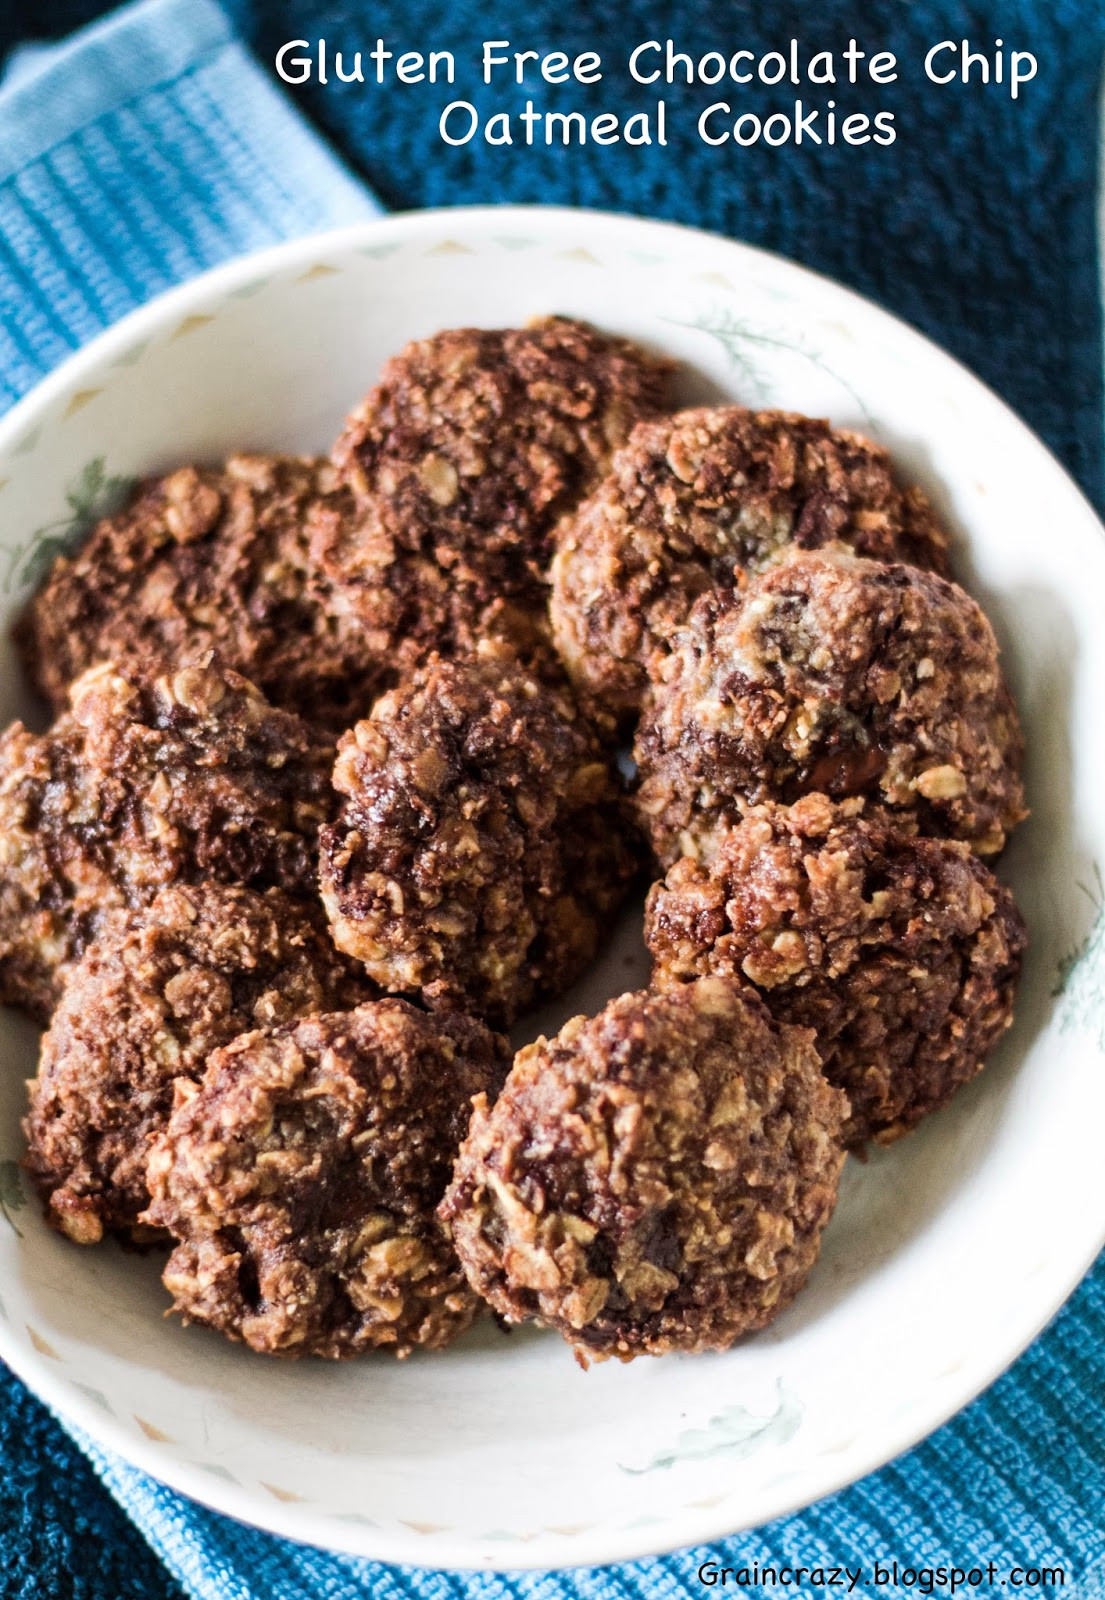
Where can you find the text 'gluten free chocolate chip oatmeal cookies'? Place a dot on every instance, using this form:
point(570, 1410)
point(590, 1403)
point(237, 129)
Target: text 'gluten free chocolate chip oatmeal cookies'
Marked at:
point(836, 674)
point(655, 1178)
point(212, 559)
point(694, 500)
point(147, 780)
point(155, 994)
point(902, 953)
point(300, 1178)
point(479, 847)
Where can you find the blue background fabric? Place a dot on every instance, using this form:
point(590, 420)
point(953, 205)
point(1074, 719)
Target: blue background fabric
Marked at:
point(154, 148)
point(135, 158)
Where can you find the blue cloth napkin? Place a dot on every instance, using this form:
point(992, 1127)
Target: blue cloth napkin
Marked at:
point(1016, 1479)
point(154, 146)
point(148, 149)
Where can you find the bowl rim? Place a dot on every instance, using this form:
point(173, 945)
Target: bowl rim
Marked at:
point(596, 1547)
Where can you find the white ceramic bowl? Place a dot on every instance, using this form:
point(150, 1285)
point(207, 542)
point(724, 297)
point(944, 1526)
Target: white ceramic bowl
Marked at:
point(947, 1253)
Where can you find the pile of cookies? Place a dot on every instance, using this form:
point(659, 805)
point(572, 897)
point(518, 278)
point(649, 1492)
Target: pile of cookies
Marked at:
point(335, 789)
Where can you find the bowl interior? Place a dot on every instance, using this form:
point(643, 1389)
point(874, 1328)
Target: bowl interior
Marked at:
point(947, 1252)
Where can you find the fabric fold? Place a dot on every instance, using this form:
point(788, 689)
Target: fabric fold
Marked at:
point(147, 149)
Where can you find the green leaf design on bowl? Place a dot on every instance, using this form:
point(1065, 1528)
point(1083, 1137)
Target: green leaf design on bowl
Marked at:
point(736, 1432)
point(738, 338)
point(12, 1197)
point(1080, 979)
point(94, 494)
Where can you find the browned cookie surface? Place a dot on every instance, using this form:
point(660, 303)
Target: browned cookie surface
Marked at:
point(407, 607)
point(146, 781)
point(830, 672)
point(654, 1178)
point(300, 1178)
point(901, 952)
point(462, 459)
point(695, 500)
point(148, 1003)
point(478, 849)
point(212, 559)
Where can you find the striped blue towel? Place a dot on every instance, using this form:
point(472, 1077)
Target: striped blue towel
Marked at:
point(149, 148)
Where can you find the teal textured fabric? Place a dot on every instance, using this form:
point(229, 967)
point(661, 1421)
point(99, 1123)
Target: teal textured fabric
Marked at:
point(978, 224)
point(147, 151)
point(1018, 1479)
point(155, 147)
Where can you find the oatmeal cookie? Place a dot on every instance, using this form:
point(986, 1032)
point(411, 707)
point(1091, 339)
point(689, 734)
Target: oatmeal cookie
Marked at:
point(300, 1178)
point(212, 559)
point(408, 608)
point(146, 781)
point(462, 459)
point(901, 952)
point(693, 501)
point(833, 673)
point(478, 850)
point(655, 1178)
point(150, 1000)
